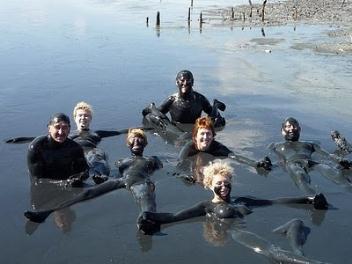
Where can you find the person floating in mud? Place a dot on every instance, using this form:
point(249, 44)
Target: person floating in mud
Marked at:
point(97, 159)
point(135, 176)
point(296, 157)
point(217, 178)
point(187, 105)
point(55, 156)
point(203, 143)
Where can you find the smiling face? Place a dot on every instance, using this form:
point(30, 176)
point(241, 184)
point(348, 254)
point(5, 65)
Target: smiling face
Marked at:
point(83, 119)
point(203, 139)
point(291, 130)
point(184, 82)
point(137, 145)
point(221, 186)
point(59, 131)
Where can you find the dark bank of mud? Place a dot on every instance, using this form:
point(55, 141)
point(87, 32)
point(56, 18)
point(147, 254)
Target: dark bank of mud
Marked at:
point(336, 14)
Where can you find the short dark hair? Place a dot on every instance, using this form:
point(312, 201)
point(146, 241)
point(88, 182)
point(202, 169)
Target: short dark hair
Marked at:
point(59, 117)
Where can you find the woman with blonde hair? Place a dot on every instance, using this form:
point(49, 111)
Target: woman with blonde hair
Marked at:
point(218, 178)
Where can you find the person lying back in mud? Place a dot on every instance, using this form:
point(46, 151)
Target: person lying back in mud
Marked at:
point(135, 176)
point(217, 178)
point(205, 147)
point(184, 107)
point(55, 156)
point(296, 158)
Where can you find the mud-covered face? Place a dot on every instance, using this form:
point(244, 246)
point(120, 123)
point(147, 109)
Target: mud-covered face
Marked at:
point(184, 84)
point(221, 186)
point(137, 145)
point(59, 131)
point(203, 139)
point(290, 131)
point(83, 119)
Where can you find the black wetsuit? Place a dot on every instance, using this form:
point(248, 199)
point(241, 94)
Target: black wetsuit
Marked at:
point(47, 158)
point(216, 149)
point(186, 110)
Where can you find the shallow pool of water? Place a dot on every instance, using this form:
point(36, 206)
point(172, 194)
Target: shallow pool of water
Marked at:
point(56, 53)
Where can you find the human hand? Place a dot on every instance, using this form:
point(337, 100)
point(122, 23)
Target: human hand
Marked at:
point(265, 164)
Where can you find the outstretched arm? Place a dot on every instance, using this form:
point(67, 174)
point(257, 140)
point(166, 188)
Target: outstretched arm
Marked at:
point(149, 221)
point(335, 158)
point(264, 163)
point(318, 201)
point(91, 193)
point(19, 140)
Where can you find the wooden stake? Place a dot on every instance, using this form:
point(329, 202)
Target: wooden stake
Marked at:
point(264, 3)
point(158, 19)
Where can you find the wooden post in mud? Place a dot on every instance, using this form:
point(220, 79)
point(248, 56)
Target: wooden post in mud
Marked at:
point(189, 15)
point(147, 21)
point(158, 19)
point(200, 22)
point(232, 14)
point(244, 16)
point(191, 3)
point(251, 5)
point(264, 3)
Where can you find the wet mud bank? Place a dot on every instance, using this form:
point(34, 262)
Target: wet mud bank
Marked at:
point(335, 14)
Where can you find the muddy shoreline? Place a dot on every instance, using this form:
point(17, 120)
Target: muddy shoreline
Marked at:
point(336, 14)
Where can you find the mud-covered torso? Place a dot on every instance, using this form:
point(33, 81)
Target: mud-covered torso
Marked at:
point(85, 138)
point(294, 151)
point(137, 169)
point(186, 110)
point(226, 210)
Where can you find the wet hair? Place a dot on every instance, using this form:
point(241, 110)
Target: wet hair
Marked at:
point(136, 132)
point(59, 117)
point(82, 106)
point(202, 122)
point(214, 168)
point(291, 120)
point(185, 73)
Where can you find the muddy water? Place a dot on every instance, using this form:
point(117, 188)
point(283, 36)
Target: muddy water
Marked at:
point(56, 53)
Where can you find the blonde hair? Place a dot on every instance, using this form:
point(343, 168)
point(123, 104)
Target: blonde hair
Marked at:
point(82, 106)
point(214, 168)
point(136, 132)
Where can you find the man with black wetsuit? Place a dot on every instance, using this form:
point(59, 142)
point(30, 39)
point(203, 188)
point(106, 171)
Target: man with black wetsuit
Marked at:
point(186, 105)
point(296, 158)
point(55, 156)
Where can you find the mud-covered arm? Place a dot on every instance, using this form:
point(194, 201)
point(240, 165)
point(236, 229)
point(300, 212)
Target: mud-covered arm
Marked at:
point(156, 163)
point(318, 201)
point(162, 218)
point(265, 163)
point(35, 161)
point(165, 106)
point(19, 140)
point(107, 133)
point(185, 151)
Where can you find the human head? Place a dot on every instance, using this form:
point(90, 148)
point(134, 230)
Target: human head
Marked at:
point(184, 82)
point(59, 127)
point(290, 129)
point(203, 133)
point(217, 177)
point(136, 140)
point(82, 114)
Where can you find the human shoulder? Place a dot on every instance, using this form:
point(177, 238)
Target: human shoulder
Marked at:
point(37, 142)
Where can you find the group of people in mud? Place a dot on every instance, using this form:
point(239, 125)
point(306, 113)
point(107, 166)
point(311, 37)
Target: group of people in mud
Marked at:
point(70, 158)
